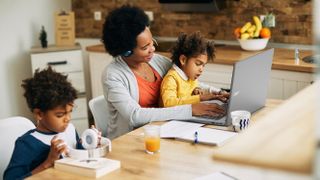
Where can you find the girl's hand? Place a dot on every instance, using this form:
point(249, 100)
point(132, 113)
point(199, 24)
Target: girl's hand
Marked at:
point(203, 109)
point(199, 91)
point(224, 94)
point(221, 96)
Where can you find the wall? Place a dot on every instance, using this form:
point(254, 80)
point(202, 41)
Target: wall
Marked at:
point(293, 19)
point(20, 26)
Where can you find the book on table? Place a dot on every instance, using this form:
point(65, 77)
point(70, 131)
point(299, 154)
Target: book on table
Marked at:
point(93, 167)
point(194, 132)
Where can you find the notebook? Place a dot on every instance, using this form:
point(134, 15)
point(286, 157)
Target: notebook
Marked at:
point(194, 133)
point(249, 85)
point(94, 167)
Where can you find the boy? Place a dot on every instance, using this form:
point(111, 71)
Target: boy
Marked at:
point(50, 98)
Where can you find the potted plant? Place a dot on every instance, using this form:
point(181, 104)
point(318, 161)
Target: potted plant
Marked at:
point(43, 38)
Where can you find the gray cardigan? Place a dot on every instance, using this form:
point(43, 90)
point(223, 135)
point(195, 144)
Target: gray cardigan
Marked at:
point(122, 95)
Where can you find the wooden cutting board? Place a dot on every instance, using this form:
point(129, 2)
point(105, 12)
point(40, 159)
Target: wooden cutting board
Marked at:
point(283, 139)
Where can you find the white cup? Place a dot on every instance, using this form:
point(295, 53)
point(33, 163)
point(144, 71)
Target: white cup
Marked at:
point(240, 119)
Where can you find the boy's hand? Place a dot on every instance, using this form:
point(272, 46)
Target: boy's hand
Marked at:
point(58, 147)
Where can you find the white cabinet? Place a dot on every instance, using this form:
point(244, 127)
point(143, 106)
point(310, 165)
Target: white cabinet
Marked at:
point(217, 75)
point(69, 62)
point(282, 84)
point(97, 62)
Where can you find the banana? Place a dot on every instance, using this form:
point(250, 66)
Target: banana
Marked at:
point(245, 27)
point(251, 29)
point(258, 26)
point(251, 34)
point(245, 36)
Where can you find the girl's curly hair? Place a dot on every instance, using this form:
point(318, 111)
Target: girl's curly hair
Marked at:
point(192, 45)
point(48, 89)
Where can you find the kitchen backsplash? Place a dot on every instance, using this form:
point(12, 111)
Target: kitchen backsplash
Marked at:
point(293, 18)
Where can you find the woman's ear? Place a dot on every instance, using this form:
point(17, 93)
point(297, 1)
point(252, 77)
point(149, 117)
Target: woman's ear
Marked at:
point(182, 59)
point(38, 114)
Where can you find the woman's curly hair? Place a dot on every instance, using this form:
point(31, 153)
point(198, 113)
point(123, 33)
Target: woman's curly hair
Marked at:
point(47, 90)
point(192, 45)
point(121, 28)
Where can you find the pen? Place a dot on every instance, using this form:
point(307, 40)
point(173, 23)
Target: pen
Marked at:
point(228, 175)
point(196, 137)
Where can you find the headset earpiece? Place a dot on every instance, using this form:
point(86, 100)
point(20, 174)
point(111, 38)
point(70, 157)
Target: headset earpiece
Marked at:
point(127, 53)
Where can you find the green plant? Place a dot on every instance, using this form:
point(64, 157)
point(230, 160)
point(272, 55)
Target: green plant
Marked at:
point(43, 37)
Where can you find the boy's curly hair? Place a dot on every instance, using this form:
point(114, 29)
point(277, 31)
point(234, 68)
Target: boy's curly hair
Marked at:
point(192, 45)
point(48, 89)
point(121, 28)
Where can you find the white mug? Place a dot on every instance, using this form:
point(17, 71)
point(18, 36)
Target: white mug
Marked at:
point(240, 119)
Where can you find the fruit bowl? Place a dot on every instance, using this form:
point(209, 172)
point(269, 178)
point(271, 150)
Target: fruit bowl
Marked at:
point(253, 44)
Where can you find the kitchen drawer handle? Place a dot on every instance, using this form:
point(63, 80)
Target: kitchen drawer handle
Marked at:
point(57, 63)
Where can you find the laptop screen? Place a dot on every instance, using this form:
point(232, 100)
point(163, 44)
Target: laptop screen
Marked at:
point(249, 85)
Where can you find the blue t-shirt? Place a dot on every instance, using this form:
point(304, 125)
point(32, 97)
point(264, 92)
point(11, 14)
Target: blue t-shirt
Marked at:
point(32, 148)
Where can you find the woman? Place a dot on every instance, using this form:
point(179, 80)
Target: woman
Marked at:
point(132, 81)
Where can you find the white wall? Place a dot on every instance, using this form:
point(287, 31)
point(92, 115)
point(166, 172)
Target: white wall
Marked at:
point(19, 31)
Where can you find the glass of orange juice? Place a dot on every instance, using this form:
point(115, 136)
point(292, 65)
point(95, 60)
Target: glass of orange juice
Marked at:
point(152, 138)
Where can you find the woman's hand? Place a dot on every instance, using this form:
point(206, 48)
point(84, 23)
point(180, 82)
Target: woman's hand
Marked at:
point(204, 109)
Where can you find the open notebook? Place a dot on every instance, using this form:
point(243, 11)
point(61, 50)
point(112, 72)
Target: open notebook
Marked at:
point(194, 132)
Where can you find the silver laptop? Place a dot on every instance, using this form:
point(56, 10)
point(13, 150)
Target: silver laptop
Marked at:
point(249, 84)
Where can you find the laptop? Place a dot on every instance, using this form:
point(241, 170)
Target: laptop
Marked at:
point(248, 91)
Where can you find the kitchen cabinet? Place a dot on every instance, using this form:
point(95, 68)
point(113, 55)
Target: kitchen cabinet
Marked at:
point(69, 61)
point(217, 75)
point(282, 84)
point(97, 63)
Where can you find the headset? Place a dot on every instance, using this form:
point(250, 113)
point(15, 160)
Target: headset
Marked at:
point(127, 53)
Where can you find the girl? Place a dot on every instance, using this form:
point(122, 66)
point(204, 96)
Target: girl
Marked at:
point(180, 86)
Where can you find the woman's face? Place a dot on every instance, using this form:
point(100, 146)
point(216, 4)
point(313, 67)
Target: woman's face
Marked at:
point(145, 48)
point(194, 66)
point(54, 120)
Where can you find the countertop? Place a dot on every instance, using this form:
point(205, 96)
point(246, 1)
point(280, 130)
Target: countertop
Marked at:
point(54, 48)
point(229, 54)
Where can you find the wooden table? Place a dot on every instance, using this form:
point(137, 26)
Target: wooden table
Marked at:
point(177, 160)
